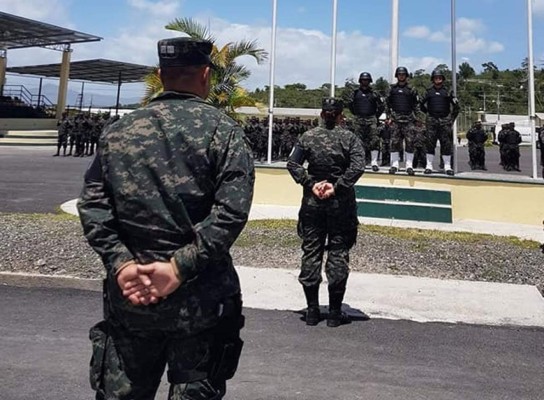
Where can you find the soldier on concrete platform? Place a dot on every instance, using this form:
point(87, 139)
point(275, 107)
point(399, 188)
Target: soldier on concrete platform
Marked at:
point(442, 108)
point(367, 106)
point(402, 104)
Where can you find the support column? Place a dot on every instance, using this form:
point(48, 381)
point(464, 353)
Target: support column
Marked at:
point(3, 63)
point(63, 83)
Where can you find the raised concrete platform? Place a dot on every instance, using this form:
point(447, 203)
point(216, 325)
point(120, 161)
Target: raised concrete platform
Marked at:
point(29, 138)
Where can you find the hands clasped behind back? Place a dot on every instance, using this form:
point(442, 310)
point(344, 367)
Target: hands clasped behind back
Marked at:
point(145, 284)
point(323, 190)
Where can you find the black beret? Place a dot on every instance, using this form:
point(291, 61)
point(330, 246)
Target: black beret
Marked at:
point(332, 104)
point(184, 51)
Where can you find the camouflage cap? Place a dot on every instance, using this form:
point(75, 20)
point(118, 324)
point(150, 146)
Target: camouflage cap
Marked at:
point(184, 51)
point(332, 104)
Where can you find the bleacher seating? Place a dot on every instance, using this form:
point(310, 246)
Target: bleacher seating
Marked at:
point(13, 107)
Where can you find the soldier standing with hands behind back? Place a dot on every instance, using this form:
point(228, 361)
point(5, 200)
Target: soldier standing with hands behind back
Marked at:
point(328, 213)
point(166, 196)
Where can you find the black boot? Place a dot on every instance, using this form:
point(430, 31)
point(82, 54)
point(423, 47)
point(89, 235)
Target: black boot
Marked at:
point(312, 299)
point(336, 317)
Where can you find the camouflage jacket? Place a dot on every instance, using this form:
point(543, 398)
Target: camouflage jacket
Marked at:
point(172, 179)
point(335, 155)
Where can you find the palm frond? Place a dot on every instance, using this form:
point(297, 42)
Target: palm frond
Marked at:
point(191, 27)
point(247, 48)
point(153, 86)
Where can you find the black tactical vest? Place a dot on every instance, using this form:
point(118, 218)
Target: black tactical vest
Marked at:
point(364, 103)
point(400, 99)
point(438, 102)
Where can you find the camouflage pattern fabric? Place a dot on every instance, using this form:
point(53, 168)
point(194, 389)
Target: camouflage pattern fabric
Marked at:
point(367, 131)
point(509, 140)
point(129, 364)
point(439, 130)
point(335, 155)
point(173, 179)
point(476, 147)
point(402, 131)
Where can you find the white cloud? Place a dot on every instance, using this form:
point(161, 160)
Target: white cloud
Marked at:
point(53, 13)
point(469, 34)
point(538, 7)
point(418, 32)
point(161, 8)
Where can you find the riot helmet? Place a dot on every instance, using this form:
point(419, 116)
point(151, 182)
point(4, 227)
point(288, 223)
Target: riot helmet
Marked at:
point(365, 75)
point(401, 70)
point(437, 72)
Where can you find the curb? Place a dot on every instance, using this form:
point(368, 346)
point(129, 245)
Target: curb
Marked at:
point(49, 281)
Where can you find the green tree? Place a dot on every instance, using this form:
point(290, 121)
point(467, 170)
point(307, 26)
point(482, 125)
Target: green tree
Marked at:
point(225, 91)
point(466, 71)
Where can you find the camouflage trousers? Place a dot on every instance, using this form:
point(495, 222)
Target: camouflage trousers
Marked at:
point(439, 130)
point(128, 365)
point(476, 156)
point(402, 132)
point(331, 228)
point(510, 156)
point(367, 131)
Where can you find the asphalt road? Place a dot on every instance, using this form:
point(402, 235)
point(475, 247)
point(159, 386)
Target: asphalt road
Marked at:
point(44, 354)
point(44, 350)
point(31, 180)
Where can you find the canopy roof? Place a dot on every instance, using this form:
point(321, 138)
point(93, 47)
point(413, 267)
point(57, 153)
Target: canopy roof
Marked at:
point(18, 32)
point(98, 70)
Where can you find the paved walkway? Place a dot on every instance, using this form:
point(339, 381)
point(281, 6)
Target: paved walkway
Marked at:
point(402, 297)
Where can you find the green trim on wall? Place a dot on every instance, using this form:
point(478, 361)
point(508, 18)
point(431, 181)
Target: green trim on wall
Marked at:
point(404, 211)
point(403, 194)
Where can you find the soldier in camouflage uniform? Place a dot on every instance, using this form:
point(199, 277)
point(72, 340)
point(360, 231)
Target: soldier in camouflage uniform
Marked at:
point(401, 108)
point(165, 197)
point(509, 140)
point(367, 106)
point(62, 140)
point(328, 214)
point(477, 137)
point(442, 109)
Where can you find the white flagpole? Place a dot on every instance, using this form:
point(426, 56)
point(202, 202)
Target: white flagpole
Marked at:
point(531, 83)
point(333, 46)
point(271, 82)
point(454, 80)
point(394, 47)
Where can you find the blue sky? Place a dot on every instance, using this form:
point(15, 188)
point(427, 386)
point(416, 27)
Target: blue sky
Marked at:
point(487, 30)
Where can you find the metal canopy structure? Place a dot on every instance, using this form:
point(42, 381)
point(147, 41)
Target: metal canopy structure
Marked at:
point(99, 70)
point(18, 32)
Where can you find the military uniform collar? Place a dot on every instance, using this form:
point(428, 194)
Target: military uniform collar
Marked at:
point(176, 95)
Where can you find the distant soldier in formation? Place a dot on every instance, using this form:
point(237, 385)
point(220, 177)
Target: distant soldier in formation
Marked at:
point(442, 108)
point(367, 106)
point(509, 140)
point(477, 137)
point(401, 108)
point(62, 139)
point(500, 134)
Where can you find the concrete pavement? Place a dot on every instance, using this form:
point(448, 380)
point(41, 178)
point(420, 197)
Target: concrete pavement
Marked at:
point(402, 297)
